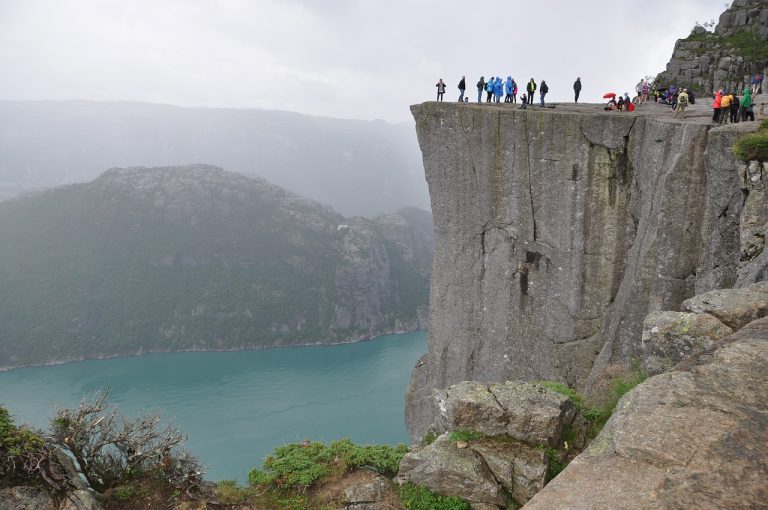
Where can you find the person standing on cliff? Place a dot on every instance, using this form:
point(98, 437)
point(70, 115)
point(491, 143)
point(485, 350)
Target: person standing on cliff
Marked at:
point(682, 103)
point(725, 107)
point(577, 89)
point(462, 88)
point(747, 107)
point(757, 81)
point(531, 89)
point(440, 89)
point(508, 88)
point(716, 105)
point(480, 89)
point(543, 92)
point(489, 89)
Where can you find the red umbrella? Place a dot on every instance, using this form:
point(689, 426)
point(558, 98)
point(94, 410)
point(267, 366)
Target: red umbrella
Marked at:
point(609, 95)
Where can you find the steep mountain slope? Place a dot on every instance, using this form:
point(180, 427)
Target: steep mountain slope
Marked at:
point(198, 258)
point(357, 167)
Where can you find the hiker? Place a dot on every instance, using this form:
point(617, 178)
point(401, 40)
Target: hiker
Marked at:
point(440, 89)
point(514, 91)
point(462, 88)
point(531, 89)
point(639, 90)
point(757, 81)
point(725, 107)
point(747, 106)
point(644, 92)
point(489, 89)
point(682, 103)
point(716, 105)
point(620, 104)
point(735, 107)
point(543, 91)
point(480, 89)
point(498, 89)
point(523, 102)
point(577, 89)
point(508, 88)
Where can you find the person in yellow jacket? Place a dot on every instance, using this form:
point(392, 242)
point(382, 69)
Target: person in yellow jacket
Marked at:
point(725, 107)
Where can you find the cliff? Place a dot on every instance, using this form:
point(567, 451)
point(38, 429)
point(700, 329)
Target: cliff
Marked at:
point(197, 258)
point(726, 58)
point(558, 231)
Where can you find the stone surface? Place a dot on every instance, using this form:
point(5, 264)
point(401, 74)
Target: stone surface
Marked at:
point(469, 406)
point(520, 468)
point(80, 500)
point(535, 414)
point(25, 498)
point(733, 307)
point(447, 470)
point(669, 337)
point(558, 231)
point(372, 492)
point(693, 437)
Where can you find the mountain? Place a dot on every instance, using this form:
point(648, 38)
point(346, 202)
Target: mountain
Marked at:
point(726, 58)
point(195, 257)
point(357, 167)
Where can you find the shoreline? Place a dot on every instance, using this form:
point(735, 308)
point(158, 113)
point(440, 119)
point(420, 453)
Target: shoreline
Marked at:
point(232, 349)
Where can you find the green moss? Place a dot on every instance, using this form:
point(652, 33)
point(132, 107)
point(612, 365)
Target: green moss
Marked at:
point(753, 146)
point(465, 435)
point(416, 497)
point(430, 438)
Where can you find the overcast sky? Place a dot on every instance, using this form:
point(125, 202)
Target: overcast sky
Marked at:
point(361, 59)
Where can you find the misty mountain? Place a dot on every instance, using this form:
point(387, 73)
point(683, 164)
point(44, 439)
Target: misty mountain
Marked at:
point(179, 258)
point(357, 167)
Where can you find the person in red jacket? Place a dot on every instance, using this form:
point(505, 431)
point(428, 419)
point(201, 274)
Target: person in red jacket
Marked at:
point(716, 106)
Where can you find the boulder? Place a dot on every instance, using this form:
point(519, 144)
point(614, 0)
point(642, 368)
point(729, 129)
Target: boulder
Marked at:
point(693, 437)
point(759, 287)
point(469, 405)
point(367, 496)
point(25, 498)
point(450, 471)
point(535, 414)
point(734, 307)
point(669, 337)
point(520, 468)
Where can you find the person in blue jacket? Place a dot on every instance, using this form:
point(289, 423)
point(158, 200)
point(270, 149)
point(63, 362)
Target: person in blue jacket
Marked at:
point(489, 89)
point(498, 89)
point(508, 88)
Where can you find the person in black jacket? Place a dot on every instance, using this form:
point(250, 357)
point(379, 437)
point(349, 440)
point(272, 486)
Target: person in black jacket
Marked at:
point(480, 89)
point(440, 89)
point(543, 89)
point(462, 88)
point(531, 89)
point(577, 89)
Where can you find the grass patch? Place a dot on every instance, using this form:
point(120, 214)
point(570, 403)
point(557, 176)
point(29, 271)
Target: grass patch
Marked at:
point(416, 497)
point(753, 146)
point(430, 438)
point(465, 435)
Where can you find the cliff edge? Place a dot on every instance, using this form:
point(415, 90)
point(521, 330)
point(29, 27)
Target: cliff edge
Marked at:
point(558, 230)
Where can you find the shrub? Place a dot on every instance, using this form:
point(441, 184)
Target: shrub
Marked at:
point(753, 146)
point(299, 466)
point(110, 450)
point(416, 497)
point(430, 438)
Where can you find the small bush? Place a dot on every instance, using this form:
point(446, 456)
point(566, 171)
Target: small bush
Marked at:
point(465, 435)
point(416, 497)
point(430, 438)
point(299, 466)
point(229, 493)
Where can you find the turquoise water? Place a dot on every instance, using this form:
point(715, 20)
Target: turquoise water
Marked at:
point(238, 406)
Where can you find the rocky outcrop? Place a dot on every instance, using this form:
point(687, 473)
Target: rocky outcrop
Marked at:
point(692, 437)
point(26, 498)
point(726, 58)
point(510, 426)
point(558, 231)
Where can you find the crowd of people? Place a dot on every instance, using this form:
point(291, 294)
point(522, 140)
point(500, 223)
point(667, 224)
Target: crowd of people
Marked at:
point(497, 89)
point(727, 106)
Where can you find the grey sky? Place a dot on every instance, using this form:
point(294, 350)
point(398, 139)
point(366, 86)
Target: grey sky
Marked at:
point(361, 59)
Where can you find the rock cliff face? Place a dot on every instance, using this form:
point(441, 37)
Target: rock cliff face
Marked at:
point(726, 58)
point(557, 231)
